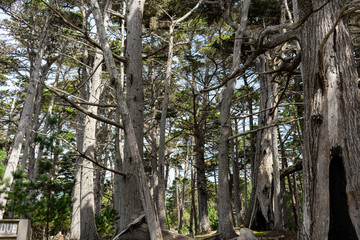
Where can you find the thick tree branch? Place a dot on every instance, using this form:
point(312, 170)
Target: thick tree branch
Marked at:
point(297, 166)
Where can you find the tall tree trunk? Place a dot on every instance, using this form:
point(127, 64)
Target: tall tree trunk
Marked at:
point(134, 65)
point(87, 199)
point(193, 219)
point(201, 181)
point(266, 212)
point(80, 120)
point(162, 186)
point(161, 192)
point(131, 206)
point(332, 128)
point(226, 228)
point(119, 151)
point(183, 192)
point(26, 115)
point(177, 196)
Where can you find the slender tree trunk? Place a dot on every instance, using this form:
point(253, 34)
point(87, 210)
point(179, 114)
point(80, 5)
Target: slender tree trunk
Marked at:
point(161, 191)
point(80, 120)
point(193, 219)
point(26, 115)
point(76, 194)
point(153, 136)
point(331, 139)
point(236, 179)
point(183, 192)
point(177, 196)
point(119, 151)
point(161, 186)
point(226, 228)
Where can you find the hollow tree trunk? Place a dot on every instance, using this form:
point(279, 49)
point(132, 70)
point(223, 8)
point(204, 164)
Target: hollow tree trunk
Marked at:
point(332, 128)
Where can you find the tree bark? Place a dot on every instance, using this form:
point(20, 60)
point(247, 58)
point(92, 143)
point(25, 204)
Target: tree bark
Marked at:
point(80, 119)
point(332, 130)
point(161, 186)
point(131, 206)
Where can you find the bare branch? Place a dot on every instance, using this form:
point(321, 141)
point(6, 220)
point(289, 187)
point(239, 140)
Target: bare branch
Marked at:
point(116, 13)
point(297, 166)
point(61, 94)
point(188, 13)
point(83, 155)
point(262, 128)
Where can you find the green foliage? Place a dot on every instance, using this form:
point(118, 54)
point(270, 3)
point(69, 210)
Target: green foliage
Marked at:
point(47, 200)
point(105, 222)
point(259, 234)
point(2, 158)
point(213, 217)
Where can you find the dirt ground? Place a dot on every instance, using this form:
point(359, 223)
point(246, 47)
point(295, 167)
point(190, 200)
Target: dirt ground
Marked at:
point(273, 235)
point(268, 235)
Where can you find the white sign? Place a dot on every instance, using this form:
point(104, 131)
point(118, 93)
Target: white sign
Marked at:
point(8, 228)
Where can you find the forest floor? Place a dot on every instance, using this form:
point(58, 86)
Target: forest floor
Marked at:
point(274, 235)
point(265, 235)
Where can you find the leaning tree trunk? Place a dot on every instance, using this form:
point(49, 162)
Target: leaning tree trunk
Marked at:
point(332, 128)
point(25, 118)
point(226, 227)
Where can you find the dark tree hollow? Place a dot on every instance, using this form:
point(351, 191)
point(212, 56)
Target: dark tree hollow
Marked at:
point(341, 226)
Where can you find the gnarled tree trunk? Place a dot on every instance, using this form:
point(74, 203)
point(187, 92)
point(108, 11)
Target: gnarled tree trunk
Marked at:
point(332, 128)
